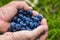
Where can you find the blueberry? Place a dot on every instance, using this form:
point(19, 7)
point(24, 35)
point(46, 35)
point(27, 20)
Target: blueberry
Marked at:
point(35, 24)
point(31, 25)
point(40, 17)
point(20, 15)
point(27, 15)
point(13, 24)
point(24, 13)
point(28, 28)
point(15, 18)
point(31, 20)
point(24, 25)
point(18, 20)
point(21, 23)
point(9, 29)
point(29, 12)
point(23, 28)
point(39, 23)
point(14, 30)
point(27, 19)
point(36, 19)
point(20, 11)
point(32, 17)
point(27, 23)
point(18, 27)
point(24, 18)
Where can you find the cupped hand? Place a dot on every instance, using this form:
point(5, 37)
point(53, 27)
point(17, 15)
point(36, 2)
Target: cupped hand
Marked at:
point(8, 11)
point(40, 33)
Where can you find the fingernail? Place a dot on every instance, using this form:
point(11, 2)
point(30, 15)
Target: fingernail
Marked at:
point(30, 8)
point(35, 13)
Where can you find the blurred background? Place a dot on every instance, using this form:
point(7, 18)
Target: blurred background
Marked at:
point(50, 9)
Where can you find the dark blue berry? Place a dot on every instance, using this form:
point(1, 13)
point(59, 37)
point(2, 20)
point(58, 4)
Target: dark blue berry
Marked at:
point(13, 24)
point(36, 19)
point(29, 12)
point(31, 20)
point(24, 18)
point(9, 29)
point(14, 30)
point(39, 23)
point(18, 27)
point(20, 11)
point(31, 25)
point(27, 23)
point(28, 28)
point(24, 13)
point(21, 23)
point(33, 17)
point(23, 28)
point(20, 15)
point(35, 24)
point(18, 20)
point(40, 17)
point(27, 19)
point(15, 18)
point(24, 25)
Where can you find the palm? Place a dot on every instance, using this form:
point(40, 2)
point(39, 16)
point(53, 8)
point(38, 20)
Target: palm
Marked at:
point(8, 12)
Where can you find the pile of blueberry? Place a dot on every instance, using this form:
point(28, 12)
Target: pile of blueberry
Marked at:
point(24, 20)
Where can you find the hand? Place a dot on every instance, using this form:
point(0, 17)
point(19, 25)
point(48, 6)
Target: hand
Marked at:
point(35, 34)
point(8, 11)
point(30, 35)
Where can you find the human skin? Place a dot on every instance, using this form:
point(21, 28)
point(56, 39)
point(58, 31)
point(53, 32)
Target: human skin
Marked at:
point(8, 11)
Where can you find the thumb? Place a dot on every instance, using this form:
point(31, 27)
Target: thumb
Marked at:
point(4, 26)
point(40, 29)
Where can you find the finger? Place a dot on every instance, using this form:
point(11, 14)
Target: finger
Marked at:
point(35, 13)
point(20, 4)
point(7, 33)
point(9, 11)
point(43, 22)
point(44, 36)
point(40, 30)
point(4, 26)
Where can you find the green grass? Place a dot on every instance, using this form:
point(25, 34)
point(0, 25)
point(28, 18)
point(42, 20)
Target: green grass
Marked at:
point(50, 9)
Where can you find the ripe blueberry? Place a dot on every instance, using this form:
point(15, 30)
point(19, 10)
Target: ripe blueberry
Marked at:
point(20, 11)
point(13, 24)
point(15, 18)
point(29, 12)
point(20, 15)
point(40, 17)
point(23, 28)
point(28, 28)
point(31, 25)
point(18, 20)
